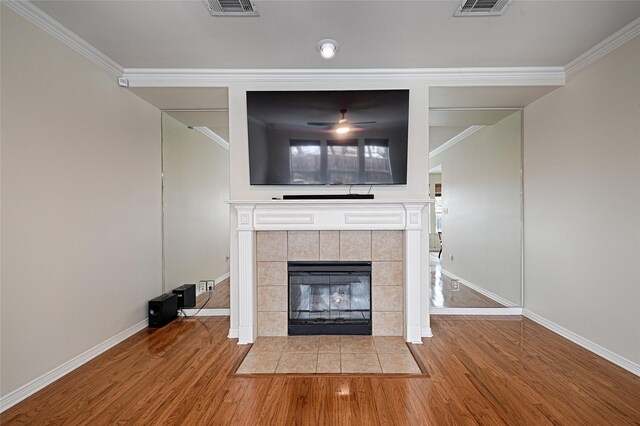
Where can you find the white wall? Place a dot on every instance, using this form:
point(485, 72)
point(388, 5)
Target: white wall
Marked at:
point(434, 241)
point(196, 218)
point(582, 186)
point(481, 187)
point(81, 204)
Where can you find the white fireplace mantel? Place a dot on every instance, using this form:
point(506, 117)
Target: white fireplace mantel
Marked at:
point(284, 215)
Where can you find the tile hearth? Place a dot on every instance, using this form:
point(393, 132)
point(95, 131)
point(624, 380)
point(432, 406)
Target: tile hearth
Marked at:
point(329, 354)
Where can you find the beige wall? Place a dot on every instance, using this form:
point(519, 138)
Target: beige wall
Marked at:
point(582, 185)
point(481, 189)
point(434, 241)
point(81, 244)
point(196, 218)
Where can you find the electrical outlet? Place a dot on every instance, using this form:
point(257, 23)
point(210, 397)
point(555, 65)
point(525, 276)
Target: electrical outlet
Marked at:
point(455, 285)
point(203, 286)
point(211, 285)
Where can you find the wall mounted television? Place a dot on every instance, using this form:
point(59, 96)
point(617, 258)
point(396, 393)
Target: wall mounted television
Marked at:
point(352, 137)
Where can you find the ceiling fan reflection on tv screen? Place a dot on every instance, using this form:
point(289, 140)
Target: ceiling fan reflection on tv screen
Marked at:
point(341, 137)
point(342, 126)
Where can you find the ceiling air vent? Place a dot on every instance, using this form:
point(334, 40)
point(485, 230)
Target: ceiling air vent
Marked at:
point(231, 7)
point(482, 7)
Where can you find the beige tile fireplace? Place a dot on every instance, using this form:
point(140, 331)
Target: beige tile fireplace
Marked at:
point(383, 248)
point(272, 232)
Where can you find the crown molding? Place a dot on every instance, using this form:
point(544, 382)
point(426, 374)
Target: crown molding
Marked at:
point(159, 77)
point(500, 76)
point(454, 140)
point(46, 23)
point(607, 45)
point(213, 136)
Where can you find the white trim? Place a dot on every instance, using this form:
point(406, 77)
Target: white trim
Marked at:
point(46, 23)
point(336, 215)
point(484, 292)
point(457, 138)
point(233, 333)
point(209, 312)
point(476, 311)
point(426, 332)
point(607, 45)
point(222, 277)
point(605, 353)
point(213, 136)
point(488, 76)
point(216, 281)
point(14, 397)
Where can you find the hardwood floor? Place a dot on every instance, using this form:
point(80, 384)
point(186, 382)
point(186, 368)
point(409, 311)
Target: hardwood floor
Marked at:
point(219, 298)
point(443, 297)
point(483, 370)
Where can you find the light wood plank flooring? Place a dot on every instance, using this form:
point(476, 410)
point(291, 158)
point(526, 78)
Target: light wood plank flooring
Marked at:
point(484, 370)
point(443, 297)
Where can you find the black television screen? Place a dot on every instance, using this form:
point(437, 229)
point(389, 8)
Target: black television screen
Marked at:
point(328, 137)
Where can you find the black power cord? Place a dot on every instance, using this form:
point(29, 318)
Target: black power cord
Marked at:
point(210, 291)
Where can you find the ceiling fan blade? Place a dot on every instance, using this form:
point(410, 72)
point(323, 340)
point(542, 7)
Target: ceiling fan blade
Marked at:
point(365, 122)
point(320, 123)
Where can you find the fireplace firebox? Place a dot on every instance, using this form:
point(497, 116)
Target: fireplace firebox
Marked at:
point(329, 298)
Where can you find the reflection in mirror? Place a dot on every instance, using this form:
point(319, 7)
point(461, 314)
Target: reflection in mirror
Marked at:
point(195, 176)
point(475, 164)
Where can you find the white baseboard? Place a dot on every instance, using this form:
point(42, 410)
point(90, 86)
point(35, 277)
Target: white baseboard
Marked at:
point(484, 292)
point(476, 311)
point(426, 332)
point(222, 277)
point(217, 281)
point(14, 397)
point(605, 353)
point(212, 312)
point(233, 333)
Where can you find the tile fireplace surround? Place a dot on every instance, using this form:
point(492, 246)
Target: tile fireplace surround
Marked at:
point(387, 233)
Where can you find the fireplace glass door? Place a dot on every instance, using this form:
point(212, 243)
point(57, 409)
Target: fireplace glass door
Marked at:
point(329, 298)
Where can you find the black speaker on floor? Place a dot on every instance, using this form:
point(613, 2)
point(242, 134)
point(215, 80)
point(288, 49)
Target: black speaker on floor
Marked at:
point(163, 310)
point(186, 295)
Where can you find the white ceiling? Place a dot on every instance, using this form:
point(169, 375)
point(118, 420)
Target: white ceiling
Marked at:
point(445, 124)
point(440, 134)
point(486, 97)
point(216, 121)
point(466, 118)
point(184, 97)
point(371, 33)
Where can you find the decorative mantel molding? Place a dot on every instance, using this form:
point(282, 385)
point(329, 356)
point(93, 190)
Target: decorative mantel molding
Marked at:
point(284, 215)
point(319, 215)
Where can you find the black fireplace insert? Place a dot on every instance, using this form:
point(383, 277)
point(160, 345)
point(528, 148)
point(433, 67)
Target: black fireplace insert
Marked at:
point(329, 298)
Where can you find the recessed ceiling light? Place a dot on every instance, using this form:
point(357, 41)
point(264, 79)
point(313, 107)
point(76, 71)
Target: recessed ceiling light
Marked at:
point(327, 48)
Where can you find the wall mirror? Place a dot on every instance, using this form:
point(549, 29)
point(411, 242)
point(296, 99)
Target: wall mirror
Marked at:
point(195, 183)
point(475, 235)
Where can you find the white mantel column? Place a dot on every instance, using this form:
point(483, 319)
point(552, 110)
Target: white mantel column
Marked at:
point(247, 304)
point(412, 273)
